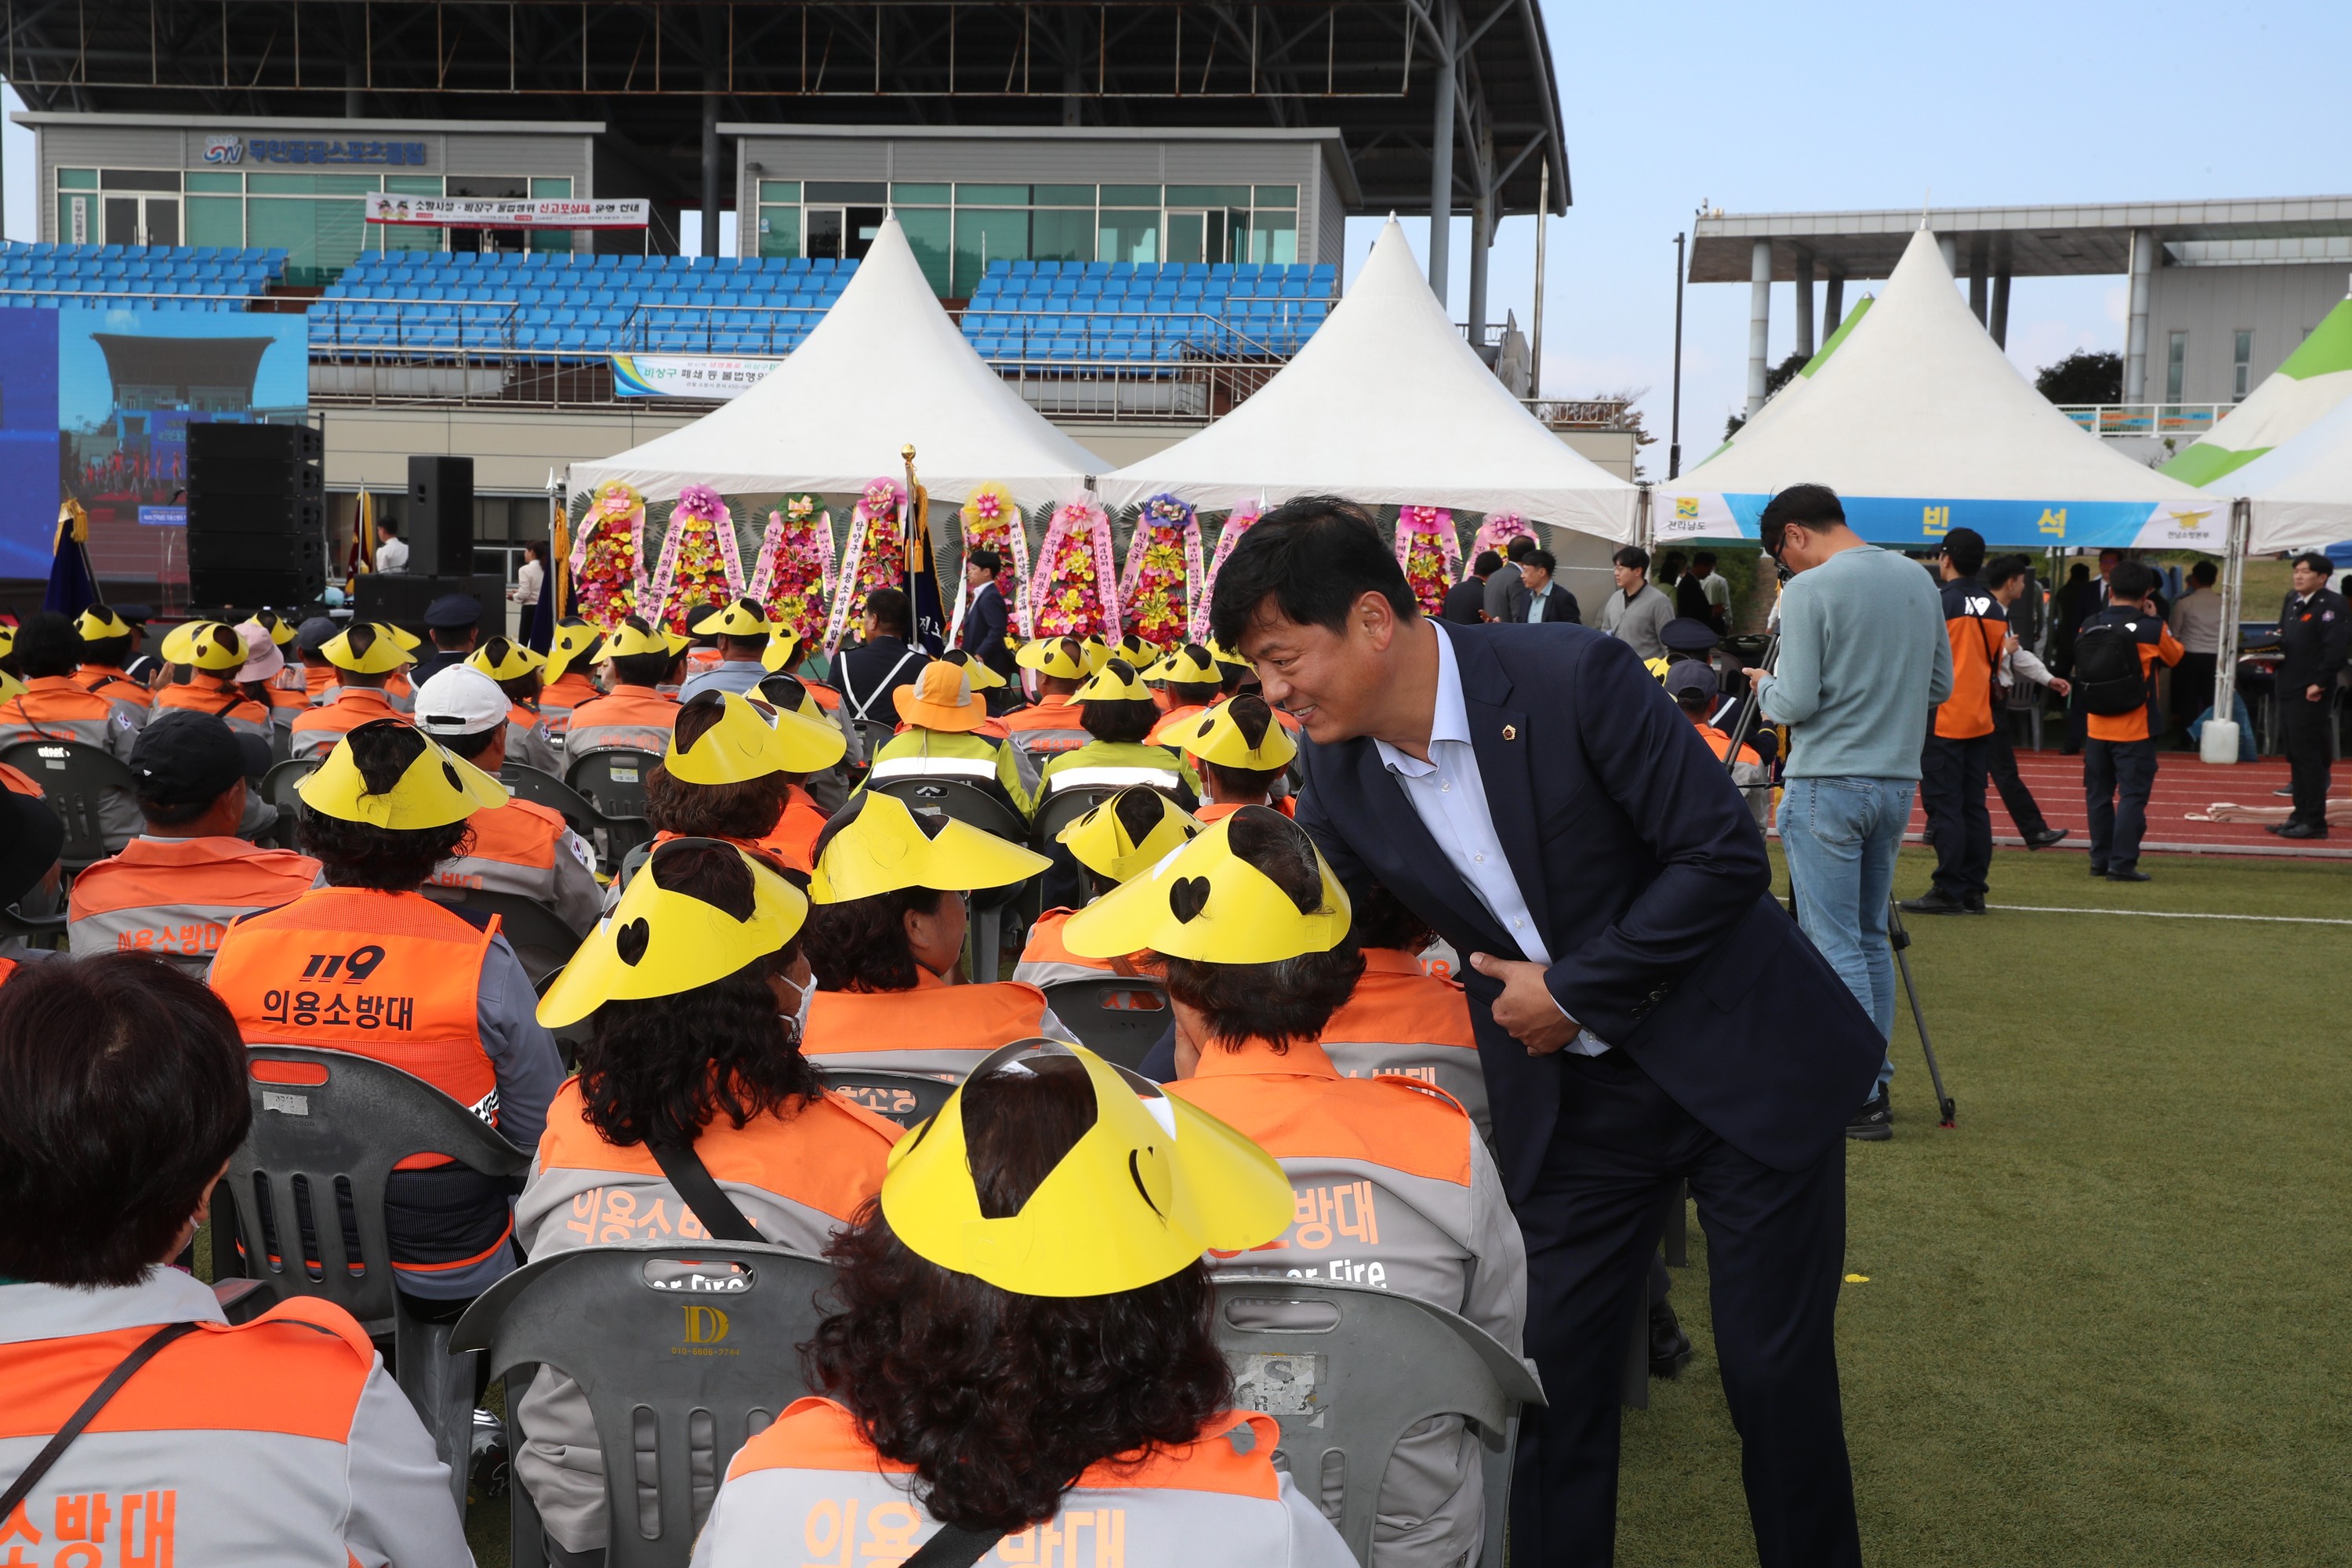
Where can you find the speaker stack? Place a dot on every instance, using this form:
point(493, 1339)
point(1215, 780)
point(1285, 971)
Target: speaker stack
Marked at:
point(440, 521)
point(257, 517)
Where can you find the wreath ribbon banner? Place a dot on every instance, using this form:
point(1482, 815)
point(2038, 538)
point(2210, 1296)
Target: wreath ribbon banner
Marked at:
point(1237, 523)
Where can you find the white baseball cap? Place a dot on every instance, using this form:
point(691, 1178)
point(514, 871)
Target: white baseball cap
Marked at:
point(460, 700)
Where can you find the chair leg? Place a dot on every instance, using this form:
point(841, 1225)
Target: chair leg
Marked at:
point(441, 1386)
point(527, 1548)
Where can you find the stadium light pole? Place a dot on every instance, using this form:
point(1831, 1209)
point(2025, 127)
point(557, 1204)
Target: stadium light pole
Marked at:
point(1674, 436)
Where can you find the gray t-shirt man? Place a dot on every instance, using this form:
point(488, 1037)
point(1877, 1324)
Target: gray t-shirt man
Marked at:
point(1637, 620)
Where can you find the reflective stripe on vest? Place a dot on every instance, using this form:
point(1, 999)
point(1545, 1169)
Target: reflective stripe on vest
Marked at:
point(974, 768)
point(933, 1029)
point(1111, 777)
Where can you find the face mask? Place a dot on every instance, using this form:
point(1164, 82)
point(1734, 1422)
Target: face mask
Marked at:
point(801, 1013)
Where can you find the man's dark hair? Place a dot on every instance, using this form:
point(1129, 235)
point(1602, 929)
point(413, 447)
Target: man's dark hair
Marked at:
point(472, 746)
point(2078, 573)
point(452, 639)
point(108, 650)
point(988, 561)
point(1632, 556)
point(1703, 561)
point(2203, 574)
point(2312, 560)
point(1542, 559)
point(1290, 999)
point(107, 1149)
point(47, 643)
point(2003, 569)
point(1487, 563)
point(1517, 545)
point(1120, 718)
point(891, 613)
point(2131, 580)
point(1964, 549)
point(1314, 557)
point(1381, 919)
point(645, 669)
point(1806, 506)
point(388, 859)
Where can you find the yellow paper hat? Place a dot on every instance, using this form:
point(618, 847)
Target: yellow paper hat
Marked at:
point(1104, 844)
point(11, 688)
point(783, 652)
point(792, 694)
point(1151, 1186)
point(982, 678)
point(1098, 653)
point(1223, 655)
point(1205, 902)
point(743, 618)
point(1186, 664)
point(752, 739)
point(382, 651)
point(403, 637)
point(8, 640)
point(1135, 651)
point(883, 850)
point(502, 660)
point(207, 645)
point(575, 642)
point(438, 788)
point(1064, 659)
point(98, 623)
point(657, 943)
point(1114, 682)
point(633, 636)
point(1219, 738)
point(280, 631)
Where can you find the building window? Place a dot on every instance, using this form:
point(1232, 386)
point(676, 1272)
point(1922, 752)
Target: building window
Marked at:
point(2176, 365)
point(2241, 365)
point(408, 237)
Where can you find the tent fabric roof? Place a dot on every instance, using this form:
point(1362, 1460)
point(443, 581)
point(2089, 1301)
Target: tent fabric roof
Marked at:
point(2315, 378)
point(1921, 424)
point(2301, 493)
point(886, 368)
point(1388, 406)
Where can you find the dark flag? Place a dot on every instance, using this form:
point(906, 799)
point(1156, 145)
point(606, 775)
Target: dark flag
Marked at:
point(72, 589)
point(921, 574)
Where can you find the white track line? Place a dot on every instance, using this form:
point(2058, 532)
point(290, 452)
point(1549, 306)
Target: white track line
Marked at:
point(2168, 915)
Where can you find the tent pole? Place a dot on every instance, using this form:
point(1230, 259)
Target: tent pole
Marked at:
point(2219, 741)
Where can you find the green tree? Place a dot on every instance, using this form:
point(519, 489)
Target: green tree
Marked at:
point(2083, 376)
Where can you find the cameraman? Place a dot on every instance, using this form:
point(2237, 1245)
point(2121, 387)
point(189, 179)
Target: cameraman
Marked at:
point(1862, 658)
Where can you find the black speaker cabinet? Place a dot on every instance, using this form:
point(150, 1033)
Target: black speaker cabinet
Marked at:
point(401, 599)
point(440, 521)
point(257, 520)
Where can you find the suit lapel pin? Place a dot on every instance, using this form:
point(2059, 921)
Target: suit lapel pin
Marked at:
point(1510, 731)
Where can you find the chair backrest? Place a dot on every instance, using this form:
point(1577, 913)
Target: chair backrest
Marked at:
point(958, 800)
point(278, 784)
point(1064, 807)
point(328, 1127)
point(542, 788)
point(613, 779)
point(904, 1098)
point(683, 1353)
point(1118, 1018)
point(1348, 1370)
point(544, 942)
point(74, 779)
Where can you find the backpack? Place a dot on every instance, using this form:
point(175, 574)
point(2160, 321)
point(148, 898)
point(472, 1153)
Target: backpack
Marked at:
point(2108, 676)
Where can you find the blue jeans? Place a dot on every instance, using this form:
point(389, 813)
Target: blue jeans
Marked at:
point(1840, 835)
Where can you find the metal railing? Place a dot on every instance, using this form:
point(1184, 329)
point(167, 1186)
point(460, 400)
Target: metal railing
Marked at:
point(1577, 413)
point(2190, 419)
point(127, 297)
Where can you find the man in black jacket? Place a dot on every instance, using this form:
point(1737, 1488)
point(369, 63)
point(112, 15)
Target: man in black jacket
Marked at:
point(985, 618)
point(1466, 601)
point(1538, 600)
point(2314, 629)
point(881, 661)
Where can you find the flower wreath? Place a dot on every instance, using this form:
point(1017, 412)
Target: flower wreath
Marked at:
point(876, 556)
point(991, 521)
point(608, 555)
point(1074, 591)
point(1430, 553)
point(794, 579)
point(1237, 523)
point(1163, 571)
point(1498, 529)
point(700, 564)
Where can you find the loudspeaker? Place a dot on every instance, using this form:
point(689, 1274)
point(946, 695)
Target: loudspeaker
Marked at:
point(401, 599)
point(257, 520)
point(440, 521)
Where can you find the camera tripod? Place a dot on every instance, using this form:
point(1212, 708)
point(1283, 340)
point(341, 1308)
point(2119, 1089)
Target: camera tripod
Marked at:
point(1898, 935)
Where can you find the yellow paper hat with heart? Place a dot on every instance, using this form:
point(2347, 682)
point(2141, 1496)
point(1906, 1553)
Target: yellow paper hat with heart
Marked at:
point(659, 943)
point(1104, 844)
point(1064, 659)
point(978, 675)
point(1218, 737)
point(575, 642)
point(1150, 1186)
point(633, 636)
point(438, 788)
point(783, 652)
point(1114, 682)
point(1205, 902)
point(1098, 652)
point(883, 850)
point(743, 618)
point(11, 688)
point(501, 658)
point(789, 693)
point(207, 645)
point(368, 647)
point(752, 739)
point(1186, 664)
point(98, 623)
point(281, 632)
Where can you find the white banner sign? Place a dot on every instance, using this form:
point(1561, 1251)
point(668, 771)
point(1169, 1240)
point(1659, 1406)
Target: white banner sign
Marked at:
point(472, 212)
point(688, 375)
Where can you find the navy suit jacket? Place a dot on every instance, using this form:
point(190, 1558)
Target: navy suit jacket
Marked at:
point(1648, 878)
point(985, 619)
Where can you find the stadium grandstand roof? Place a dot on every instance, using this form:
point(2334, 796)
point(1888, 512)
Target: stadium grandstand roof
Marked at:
point(658, 74)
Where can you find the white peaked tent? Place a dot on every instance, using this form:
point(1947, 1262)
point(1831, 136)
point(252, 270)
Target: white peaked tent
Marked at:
point(1921, 424)
point(2300, 494)
point(886, 368)
point(1387, 405)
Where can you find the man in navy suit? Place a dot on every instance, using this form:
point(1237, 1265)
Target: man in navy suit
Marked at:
point(1645, 1012)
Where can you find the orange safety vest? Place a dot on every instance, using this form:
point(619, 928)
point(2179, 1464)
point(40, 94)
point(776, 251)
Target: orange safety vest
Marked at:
point(1216, 811)
point(519, 833)
point(7, 968)
point(317, 678)
point(177, 899)
point(213, 694)
point(108, 681)
point(352, 707)
point(18, 782)
point(1165, 727)
point(632, 718)
point(393, 976)
point(931, 1017)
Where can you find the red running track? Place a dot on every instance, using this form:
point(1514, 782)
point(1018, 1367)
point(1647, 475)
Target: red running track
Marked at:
point(2183, 786)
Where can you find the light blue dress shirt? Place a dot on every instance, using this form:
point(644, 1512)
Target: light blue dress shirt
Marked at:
point(1449, 798)
point(736, 675)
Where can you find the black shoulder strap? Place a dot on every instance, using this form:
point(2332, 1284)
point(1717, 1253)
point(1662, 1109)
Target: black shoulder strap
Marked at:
point(685, 1172)
point(953, 1547)
point(22, 1487)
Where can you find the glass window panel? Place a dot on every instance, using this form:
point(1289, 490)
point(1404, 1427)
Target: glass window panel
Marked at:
point(489, 186)
point(824, 233)
point(140, 179)
point(76, 179)
point(280, 185)
point(780, 231)
point(163, 222)
point(903, 195)
point(1062, 235)
point(864, 224)
point(553, 241)
point(122, 220)
point(1277, 196)
point(983, 236)
point(1127, 236)
point(1208, 195)
point(780, 190)
point(1273, 237)
point(320, 238)
point(2175, 362)
point(1186, 236)
point(1064, 195)
point(406, 237)
point(213, 180)
point(927, 234)
point(412, 184)
point(551, 187)
point(216, 220)
point(992, 196)
point(345, 184)
point(847, 191)
point(1130, 196)
point(77, 218)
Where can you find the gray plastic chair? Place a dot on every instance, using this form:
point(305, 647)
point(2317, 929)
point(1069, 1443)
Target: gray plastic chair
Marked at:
point(626, 1323)
point(543, 788)
point(613, 779)
point(541, 941)
point(1349, 1370)
point(1118, 1018)
point(905, 1097)
point(74, 781)
point(966, 803)
point(337, 1136)
point(277, 787)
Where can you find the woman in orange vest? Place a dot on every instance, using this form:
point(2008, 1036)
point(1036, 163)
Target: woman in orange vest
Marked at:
point(1393, 1187)
point(517, 669)
point(368, 965)
point(1025, 1352)
point(696, 1056)
point(734, 769)
point(564, 680)
point(1242, 754)
point(108, 642)
point(282, 1440)
point(1400, 1020)
point(1124, 837)
point(1186, 677)
point(208, 660)
point(365, 656)
point(886, 930)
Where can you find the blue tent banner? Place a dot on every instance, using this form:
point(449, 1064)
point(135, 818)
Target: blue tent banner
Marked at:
point(1918, 521)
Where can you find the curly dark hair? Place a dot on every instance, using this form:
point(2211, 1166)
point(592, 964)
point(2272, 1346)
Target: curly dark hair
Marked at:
point(659, 1070)
point(388, 859)
point(1382, 919)
point(860, 944)
point(1119, 721)
point(1000, 1401)
point(1292, 998)
point(747, 810)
